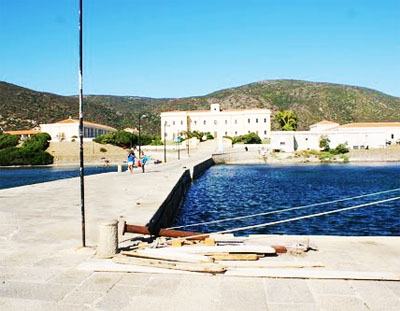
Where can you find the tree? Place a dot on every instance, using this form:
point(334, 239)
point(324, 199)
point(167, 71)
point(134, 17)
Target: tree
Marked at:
point(324, 143)
point(287, 120)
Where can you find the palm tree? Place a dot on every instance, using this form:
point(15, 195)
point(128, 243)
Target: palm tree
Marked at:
point(287, 119)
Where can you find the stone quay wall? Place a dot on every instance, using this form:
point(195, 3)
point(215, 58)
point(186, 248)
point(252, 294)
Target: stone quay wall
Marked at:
point(166, 213)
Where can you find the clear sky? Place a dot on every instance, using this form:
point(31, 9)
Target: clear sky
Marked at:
point(180, 48)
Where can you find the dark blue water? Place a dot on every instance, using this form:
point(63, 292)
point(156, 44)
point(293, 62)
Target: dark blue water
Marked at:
point(14, 177)
point(227, 191)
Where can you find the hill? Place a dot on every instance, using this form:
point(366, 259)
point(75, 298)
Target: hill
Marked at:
point(21, 108)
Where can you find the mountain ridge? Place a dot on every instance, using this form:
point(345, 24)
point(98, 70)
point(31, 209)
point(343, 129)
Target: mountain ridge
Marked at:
point(22, 108)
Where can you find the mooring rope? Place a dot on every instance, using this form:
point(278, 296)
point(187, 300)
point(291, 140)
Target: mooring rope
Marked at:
point(285, 209)
point(296, 218)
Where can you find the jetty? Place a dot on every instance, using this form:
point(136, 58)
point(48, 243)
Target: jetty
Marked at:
point(43, 265)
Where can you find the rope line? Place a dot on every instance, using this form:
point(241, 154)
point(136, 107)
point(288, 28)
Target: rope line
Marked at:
point(285, 209)
point(298, 218)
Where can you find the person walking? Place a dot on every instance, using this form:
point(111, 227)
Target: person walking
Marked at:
point(131, 160)
point(142, 160)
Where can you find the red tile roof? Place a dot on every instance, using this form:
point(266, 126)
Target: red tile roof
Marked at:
point(371, 124)
point(69, 121)
point(22, 132)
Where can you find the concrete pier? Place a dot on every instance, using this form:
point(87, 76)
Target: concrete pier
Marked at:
point(44, 267)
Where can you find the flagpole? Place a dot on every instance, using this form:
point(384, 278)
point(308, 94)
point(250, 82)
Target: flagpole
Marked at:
point(81, 130)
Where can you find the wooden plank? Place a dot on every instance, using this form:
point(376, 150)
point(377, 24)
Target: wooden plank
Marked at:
point(201, 249)
point(107, 265)
point(168, 254)
point(233, 257)
point(271, 264)
point(192, 267)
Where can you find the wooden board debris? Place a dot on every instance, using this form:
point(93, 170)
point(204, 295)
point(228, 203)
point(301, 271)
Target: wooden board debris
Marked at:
point(270, 264)
point(242, 249)
point(234, 257)
point(168, 254)
point(184, 266)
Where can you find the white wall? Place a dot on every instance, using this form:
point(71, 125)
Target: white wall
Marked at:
point(218, 123)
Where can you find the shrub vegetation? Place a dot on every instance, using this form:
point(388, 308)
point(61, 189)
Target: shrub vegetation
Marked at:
point(32, 151)
point(126, 139)
point(251, 138)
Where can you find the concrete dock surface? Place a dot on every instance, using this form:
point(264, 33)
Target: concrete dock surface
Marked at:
point(43, 265)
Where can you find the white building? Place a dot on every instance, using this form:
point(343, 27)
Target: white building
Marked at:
point(68, 130)
point(353, 135)
point(217, 122)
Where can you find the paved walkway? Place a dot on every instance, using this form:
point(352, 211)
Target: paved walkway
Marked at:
point(44, 267)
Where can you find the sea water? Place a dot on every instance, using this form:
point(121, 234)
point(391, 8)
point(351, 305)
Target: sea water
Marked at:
point(283, 192)
point(14, 177)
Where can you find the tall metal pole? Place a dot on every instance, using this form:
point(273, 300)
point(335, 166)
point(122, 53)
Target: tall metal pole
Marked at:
point(81, 130)
point(139, 136)
point(165, 142)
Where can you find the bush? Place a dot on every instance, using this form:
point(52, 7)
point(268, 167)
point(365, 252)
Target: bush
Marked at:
point(7, 140)
point(37, 142)
point(126, 139)
point(209, 136)
point(120, 138)
point(341, 149)
point(251, 138)
point(156, 142)
point(197, 134)
point(32, 152)
point(23, 156)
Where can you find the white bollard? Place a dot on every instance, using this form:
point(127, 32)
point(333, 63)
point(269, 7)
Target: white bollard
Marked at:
point(108, 239)
point(119, 168)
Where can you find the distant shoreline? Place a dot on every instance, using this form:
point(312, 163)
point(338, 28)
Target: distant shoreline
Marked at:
point(67, 154)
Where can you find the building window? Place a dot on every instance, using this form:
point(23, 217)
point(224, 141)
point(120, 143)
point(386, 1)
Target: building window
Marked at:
point(282, 143)
point(215, 122)
point(235, 121)
point(265, 132)
point(235, 133)
point(265, 120)
point(256, 120)
point(182, 122)
point(204, 122)
point(173, 122)
point(226, 121)
point(226, 133)
point(248, 120)
point(195, 122)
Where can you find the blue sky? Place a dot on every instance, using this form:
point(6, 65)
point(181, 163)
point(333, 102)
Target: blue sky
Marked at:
point(180, 48)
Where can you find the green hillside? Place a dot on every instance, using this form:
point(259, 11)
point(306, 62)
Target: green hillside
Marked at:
point(21, 108)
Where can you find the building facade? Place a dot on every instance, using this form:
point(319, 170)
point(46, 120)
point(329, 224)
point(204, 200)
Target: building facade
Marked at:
point(217, 122)
point(68, 130)
point(354, 135)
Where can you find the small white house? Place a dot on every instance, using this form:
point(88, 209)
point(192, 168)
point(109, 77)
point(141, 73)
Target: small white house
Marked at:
point(68, 130)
